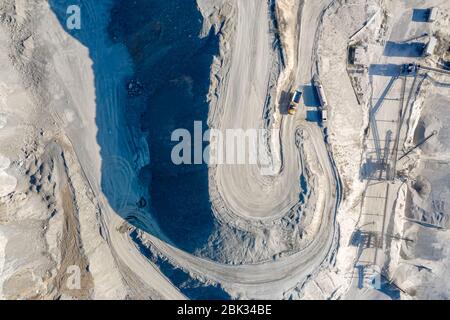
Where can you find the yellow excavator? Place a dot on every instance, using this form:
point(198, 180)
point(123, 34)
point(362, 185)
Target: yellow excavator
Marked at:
point(295, 102)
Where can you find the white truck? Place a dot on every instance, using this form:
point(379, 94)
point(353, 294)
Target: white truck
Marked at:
point(324, 115)
point(322, 99)
point(320, 93)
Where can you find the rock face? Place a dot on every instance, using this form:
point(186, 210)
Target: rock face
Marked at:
point(93, 205)
point(50, 244)
point(63, 170)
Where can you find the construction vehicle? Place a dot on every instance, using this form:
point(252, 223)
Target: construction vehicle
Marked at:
point(324, 115)
point(320, 93)
point(295, 102)
point(322, 98)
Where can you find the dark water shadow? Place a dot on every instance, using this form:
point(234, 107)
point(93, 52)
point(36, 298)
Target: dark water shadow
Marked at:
point(419, 134)
point(189, 286)
point(372, 169)
point(420, 15)
point(313, 116)
point(285, 99)
point(390, 290)
point(410, 49)
point(173, 66)
point(378, 282)
point(385, 70)
point(310, 97)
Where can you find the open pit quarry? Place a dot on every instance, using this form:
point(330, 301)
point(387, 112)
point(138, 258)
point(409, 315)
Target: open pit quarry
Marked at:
point(117, 179)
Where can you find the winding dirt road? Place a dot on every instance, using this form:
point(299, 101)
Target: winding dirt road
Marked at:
point(244, 189)
point(251, 196)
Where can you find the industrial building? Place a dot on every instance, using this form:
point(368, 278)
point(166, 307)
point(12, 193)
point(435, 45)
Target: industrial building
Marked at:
point(431, 46)
point(433, 12)
point(357, 55)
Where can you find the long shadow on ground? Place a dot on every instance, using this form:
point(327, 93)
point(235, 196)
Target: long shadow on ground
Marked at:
point(169, 86)
point(172, 65)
